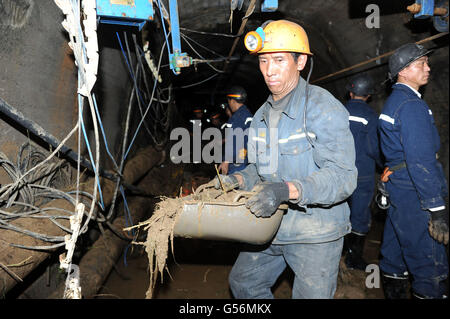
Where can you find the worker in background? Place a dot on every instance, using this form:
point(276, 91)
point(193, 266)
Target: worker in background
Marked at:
point(228, 111)
point(197, 125)
point(241, 118)
point(215, 119)
point(416, 228)
point(312, 168)
point(225, 110)
point(363, 125)
point(197, 117)
point(226, 115)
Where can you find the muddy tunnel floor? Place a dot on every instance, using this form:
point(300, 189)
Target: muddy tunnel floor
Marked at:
point(199, 270)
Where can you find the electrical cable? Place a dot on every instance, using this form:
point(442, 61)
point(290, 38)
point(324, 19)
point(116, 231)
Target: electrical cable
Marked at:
point(143, 117)
point(142, 53)
point(138, 91)
point(209, 64)
point(165, 34)
point(135, 77)
point(202, 46)
point(212, 33)
point(197, 83)
point(88, 147)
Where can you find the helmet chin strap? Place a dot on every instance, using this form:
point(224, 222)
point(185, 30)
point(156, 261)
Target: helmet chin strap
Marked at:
point(306, 102)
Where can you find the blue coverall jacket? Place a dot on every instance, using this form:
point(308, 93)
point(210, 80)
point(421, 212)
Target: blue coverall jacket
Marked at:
point(408, 134)
point(363, 125)
point(241, 119)
point(324, 171)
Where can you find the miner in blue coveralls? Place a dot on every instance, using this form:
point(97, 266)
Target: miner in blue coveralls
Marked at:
point(301, 152)
point(197, 123)
point(416, 228)
point(236, 127)
point(363, 125)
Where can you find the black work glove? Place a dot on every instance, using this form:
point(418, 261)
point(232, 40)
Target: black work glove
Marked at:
point(438, 226)
point(229, 182)
point(269, 196)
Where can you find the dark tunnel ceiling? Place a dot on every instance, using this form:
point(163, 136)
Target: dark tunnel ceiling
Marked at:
point(330, 24)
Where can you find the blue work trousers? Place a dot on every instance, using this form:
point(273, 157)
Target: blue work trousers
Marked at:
point(315, 267)
point(359, 202)
point(408, 246)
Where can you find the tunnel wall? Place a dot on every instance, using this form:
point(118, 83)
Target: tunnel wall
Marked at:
point(39, 78)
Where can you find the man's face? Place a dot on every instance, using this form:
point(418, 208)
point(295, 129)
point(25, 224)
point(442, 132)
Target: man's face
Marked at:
point(232, 104)
point(281, 72)
point(417, 73)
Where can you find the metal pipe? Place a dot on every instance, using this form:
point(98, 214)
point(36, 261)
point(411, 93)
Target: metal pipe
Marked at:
point(375, 58)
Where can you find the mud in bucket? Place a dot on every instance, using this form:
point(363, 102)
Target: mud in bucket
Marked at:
point(220, 216)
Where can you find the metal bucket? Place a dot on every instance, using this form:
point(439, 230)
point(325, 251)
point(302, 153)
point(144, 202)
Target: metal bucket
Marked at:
point(222, 221)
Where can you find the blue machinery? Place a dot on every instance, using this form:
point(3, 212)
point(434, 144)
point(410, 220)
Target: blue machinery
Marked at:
point(177, 59)
point(269, 5)
point(138, 12)
point(125, 12)
point(437, 10)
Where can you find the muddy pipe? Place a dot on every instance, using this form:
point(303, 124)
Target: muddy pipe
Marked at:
point(23, 261)
point(98, 262)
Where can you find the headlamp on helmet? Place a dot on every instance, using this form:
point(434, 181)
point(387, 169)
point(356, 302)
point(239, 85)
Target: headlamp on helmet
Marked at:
point(254, 40)
point(278, 36)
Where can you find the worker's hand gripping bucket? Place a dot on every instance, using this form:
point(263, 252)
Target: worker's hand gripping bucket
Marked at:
point(225, 220)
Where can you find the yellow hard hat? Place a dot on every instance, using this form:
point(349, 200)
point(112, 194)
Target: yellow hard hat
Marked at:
point(280, 35)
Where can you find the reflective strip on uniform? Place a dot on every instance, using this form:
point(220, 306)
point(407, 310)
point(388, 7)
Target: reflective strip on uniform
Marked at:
point(259, 139)
point(387, 118)
point(435, 209)
point(248, 119)
point(429, 111)
point(295, 137)
point(193, 122)
point(226, 125)
point(358, 119)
